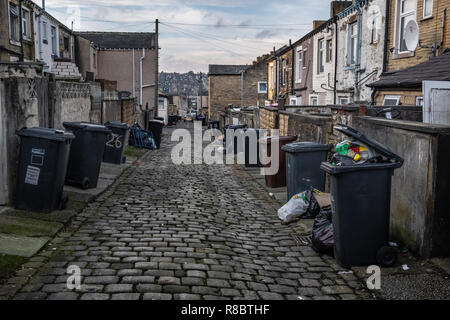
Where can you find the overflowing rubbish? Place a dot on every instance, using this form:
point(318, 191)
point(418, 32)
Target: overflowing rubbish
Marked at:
point(140, 138)
point(360, 178)
point(300, 206)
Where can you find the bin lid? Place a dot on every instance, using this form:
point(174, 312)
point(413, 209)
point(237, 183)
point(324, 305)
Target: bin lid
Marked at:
point(280, 139)
point(156, 121)
point(116, 124)
point(46, 133)
point(374, 145)
point(235, 126)
point(335, 170)
point(306, 146)
point(86, 126)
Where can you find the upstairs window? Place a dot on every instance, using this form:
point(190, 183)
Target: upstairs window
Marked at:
point(44, 32)
point(329, 50)
point(427, 8)
point(26, 29)
point(299, 66)
point(54, 40)
point(320, 57)
point(352, 43)
point(14, 23)
point(283, 73)
point(407, 13)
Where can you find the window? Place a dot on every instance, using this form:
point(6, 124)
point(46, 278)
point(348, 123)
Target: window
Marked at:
point(273, 77)
point(299, 66)
point(313, 100)
point(44, 32)
point(26, 29)
point(375, 26)
point(94, 60)
point(329, 50)
point(352, 46)
point(407, 13)
point(283, 73)
point(262, 87)
point(66, 43)
point(54, 40)
point(14, 23)
point(419, 101)
point(391, 100)
point(427, 8)
point(320, 57)
point(304, 58)
point(293, 101)
point(344, 100)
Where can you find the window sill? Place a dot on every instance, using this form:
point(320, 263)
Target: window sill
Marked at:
point(403, 55)
point(426, 18)
point(14, 43)
point(347, 68)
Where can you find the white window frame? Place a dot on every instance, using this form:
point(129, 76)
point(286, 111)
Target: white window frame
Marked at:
point(311, 97)
point(44, 31)
point(26, 23)
point(352, 43)
point(424, 6)
point(400, 16)
point(392, 97)
point(299, 65)
point(283, 72)
point(375, 37)
point(329, 50)
point(54, 40)
point(259, 86)
point(293, 101)
point(344, 98)
point(418, 99)
point(321, 55)
point(14, 27)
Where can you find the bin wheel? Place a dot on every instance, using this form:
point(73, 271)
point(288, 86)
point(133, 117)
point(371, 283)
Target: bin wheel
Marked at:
point(63, 202)
point(85, 183)
point(386, 257)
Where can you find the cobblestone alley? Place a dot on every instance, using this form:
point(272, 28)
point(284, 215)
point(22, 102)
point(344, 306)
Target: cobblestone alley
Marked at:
point(164, 231)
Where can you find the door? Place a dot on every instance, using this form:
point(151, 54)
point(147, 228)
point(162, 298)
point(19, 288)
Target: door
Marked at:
point(435, 105)
point(440, 105)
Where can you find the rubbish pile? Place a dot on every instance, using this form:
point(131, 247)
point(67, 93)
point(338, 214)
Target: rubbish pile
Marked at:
point(140, 138)
point(301, 206)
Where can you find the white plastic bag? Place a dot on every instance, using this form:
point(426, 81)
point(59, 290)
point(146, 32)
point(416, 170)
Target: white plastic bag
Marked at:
point(295, 208)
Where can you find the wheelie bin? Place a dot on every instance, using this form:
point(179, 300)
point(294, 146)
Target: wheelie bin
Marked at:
point(278, 180)
point(43, 160)
point(303, 171)
point(115, 146)
point(213, 125)
point(252, 156)
point(86, 154)
point(361, 197)
point(239, 130)
point(156, 127)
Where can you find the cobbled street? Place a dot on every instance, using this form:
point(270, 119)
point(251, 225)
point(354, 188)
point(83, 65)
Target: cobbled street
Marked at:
point(166, 231)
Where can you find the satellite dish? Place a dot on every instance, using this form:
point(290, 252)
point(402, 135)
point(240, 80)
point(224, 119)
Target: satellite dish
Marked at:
point(411, 35)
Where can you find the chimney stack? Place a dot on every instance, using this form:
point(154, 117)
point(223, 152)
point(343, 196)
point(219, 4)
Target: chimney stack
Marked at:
point(43, 4)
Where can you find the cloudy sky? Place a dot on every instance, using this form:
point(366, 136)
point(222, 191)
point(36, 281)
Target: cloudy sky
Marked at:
point(195, 33)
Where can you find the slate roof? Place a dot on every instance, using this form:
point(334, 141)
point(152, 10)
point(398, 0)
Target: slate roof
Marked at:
point(223, 70)
point(437, 68)
point(120, 40)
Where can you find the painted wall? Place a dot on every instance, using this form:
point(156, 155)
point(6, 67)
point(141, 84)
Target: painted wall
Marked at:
point(371, 52)
point(43, 48)
point(304, 87)
point(326, 77)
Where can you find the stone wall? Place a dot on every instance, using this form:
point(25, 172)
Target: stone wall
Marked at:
point(256, 73)
point(268, 118)
point(223, 90)
point(70, 101)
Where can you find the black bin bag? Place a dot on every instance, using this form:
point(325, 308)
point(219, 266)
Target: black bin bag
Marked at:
point(322, 234)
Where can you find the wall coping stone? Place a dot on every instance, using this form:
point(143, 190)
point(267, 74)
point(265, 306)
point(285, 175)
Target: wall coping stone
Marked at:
point(409, 125)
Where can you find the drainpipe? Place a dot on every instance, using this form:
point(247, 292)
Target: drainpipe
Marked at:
point(292, 69)
point(335, 58)
point(386, 35)
point(141, 78)
point(242, 88)
point(134, 77)
point(21, 58)
point(358, 52)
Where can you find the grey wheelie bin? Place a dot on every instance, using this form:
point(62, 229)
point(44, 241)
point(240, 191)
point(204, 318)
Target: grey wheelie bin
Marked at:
point(115, 146)
point(43, 160)
point(303, 171)
point(361, 196)
point(252, 150)
point(87, 153)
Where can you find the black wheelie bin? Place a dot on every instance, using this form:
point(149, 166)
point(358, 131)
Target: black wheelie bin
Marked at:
point(252, 150)
point(303, 160)
point(361, 197)
point(43, 160)
point(156, 127)
point(239, 130)
point(87, 153)
point(115, 146)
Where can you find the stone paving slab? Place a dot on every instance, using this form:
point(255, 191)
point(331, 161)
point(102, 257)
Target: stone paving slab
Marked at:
point(22, 246)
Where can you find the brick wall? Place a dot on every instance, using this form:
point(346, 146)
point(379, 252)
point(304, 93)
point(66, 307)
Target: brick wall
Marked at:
point(223, 90)
point(430, 32)
point(268, 118)
point(253, 75)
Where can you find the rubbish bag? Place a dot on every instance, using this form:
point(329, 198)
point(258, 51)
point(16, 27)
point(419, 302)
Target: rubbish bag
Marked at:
point(295, 208)
point(313, 208)
point(323, 233)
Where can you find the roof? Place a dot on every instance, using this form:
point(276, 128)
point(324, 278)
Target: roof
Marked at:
point(226, 70)
point(437, 68)
point(121, 40)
